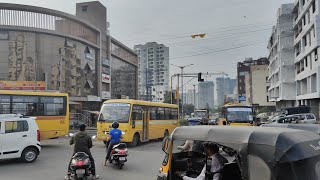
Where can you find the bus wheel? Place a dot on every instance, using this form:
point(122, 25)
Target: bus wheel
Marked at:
point(135, 140)
point(166, 133)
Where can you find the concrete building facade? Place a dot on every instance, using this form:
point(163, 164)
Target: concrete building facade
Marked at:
point(306, 53)
point(67, 53)
point(257, 86)
point(281, 68)
point(153, 59)
point(243, 69)
point(206, 94)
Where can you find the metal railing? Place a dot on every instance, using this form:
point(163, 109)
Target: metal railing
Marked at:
point(79, 118)
point(59, 24)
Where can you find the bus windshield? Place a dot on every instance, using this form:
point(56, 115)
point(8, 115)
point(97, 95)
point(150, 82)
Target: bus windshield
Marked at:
point(115, 112)
point(242, 114)
point(200, 114)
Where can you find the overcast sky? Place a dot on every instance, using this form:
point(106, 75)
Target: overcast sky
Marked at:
point(235, 29)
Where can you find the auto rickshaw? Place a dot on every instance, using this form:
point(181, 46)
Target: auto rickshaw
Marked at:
point(261, 153)
point(315, 128)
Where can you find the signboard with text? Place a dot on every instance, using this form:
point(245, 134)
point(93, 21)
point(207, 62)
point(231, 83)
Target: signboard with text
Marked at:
point(22, 85)
point(105, 62)
point(242, 98)
point(106, 70)
point(106, 78)
point(105, 95)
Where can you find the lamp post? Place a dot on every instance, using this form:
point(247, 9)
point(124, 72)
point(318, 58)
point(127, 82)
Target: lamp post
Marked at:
point(182, 67)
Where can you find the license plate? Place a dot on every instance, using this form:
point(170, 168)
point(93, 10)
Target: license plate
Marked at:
point(122, 158)
point(80, 171)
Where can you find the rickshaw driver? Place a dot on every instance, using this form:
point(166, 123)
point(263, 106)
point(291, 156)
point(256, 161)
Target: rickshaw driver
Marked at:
point(217, 163)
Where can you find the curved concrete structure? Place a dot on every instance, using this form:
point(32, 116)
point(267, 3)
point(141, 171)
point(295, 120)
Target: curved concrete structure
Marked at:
point(60, 49)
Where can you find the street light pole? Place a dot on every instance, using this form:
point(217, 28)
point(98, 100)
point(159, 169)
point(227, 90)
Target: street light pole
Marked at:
point(181, 67)
point(194, 96)
point(182, 112)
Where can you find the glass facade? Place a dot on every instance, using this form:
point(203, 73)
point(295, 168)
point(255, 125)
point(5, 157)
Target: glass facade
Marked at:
point(124, 79)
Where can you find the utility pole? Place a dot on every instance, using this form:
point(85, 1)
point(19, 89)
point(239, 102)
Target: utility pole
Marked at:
point(194, 96)
point(181, 67)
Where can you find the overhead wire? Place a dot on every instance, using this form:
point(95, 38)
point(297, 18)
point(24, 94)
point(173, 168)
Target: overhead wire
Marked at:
point(226, 49)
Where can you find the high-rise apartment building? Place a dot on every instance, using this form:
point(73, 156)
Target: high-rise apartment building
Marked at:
point(153, 71)
point(206, 94)
point(281, 57)
point(306, 21)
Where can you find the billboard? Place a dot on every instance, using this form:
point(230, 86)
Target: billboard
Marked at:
point(105, 95)
point(242, 98)
point(106, 78)
point(22, 85)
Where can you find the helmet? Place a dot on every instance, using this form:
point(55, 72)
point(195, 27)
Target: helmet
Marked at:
point(115, 124)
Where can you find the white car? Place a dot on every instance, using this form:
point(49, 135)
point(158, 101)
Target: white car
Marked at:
point(19, 138)
point(307, 118)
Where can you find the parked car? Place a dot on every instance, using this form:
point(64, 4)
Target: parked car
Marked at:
point(19, 137)
point(307, 118)
point(213, 121)
point(275, 118)
point(286, 120)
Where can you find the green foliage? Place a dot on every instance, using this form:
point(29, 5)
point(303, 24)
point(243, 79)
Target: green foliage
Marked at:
point(188, 109)
point(263, 110)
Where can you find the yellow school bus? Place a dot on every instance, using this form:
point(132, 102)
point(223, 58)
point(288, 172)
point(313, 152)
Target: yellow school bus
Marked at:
point(140, 120)
point(51, 110)
point(236, 115)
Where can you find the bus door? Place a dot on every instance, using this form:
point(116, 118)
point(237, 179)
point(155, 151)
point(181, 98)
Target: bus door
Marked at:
point(145, 125)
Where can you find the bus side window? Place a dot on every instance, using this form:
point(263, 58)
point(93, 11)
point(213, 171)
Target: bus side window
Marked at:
point(153, 113)
point(167, 113)
point(160, 113)
point(174, 114)
point(136, 112)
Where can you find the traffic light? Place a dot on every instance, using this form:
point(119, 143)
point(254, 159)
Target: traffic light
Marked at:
point(200, 78)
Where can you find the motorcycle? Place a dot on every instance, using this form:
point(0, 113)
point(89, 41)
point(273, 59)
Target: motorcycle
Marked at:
point(80, 164)
point(119, 155)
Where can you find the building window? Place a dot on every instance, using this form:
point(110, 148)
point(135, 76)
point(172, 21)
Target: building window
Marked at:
point(316, 54)
point(306, 62)
point(314, 6)
point(304, 39)
point(84, 8)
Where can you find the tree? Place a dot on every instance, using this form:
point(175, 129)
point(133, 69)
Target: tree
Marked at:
point(188, 109)
point(263, 110)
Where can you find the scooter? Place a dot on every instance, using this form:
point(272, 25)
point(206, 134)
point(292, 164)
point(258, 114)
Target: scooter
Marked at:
point(119, 155)
point(80, 166)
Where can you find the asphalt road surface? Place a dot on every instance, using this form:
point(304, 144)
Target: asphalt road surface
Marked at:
point(143, 163)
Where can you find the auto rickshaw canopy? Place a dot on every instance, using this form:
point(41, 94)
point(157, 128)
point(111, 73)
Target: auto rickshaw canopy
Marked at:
point(315, 128)
point(274, 146)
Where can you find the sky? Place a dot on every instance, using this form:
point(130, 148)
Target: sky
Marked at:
point(235, 29)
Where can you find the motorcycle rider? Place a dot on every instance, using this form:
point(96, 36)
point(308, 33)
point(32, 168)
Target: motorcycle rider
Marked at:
point(115, 136)
point(82, 143)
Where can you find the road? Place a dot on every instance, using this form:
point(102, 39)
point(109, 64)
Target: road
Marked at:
point(143, 163)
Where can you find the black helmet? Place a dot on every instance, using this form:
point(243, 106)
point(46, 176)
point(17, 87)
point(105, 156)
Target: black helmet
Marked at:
point(115, 124)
